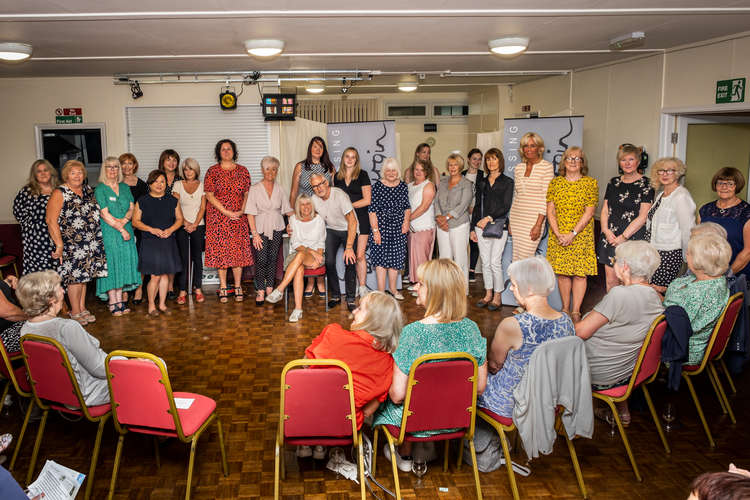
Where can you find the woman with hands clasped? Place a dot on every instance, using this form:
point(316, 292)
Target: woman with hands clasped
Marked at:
point(158, 216)
point(191, 236)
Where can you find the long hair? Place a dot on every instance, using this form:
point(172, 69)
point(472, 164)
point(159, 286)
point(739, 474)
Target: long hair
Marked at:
point(341, 175)
point(169, 153)
point(428, 166)
point(324, 159)
point(33, 184)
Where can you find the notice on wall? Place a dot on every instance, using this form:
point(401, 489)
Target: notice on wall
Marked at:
point(68, 115)
point(728, 91)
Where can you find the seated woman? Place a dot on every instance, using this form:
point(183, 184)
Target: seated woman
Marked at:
point(41, 296)
point(516, 337)
point(704, 294)
point(366, 349)
point(11, 316)
point(441, 290)
point(614, 331)
point(306, 251)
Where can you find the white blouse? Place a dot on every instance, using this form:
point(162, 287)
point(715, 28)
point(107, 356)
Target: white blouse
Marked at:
point(672, 221)
point(310, 234)
point(190, 204)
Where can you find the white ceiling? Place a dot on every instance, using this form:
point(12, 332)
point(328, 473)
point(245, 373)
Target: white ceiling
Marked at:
point(80, 37)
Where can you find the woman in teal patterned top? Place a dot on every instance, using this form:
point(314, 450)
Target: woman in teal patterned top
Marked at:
point(116, 204)
point(444, 328)
point(703, 294)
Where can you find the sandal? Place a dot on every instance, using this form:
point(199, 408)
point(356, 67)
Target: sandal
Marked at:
point(483, 303)
point(115, 309)
point(239, 295)
point(124, 308)
point(199, 297)
point(260, 298)
point(154, 313)
point(89, 317)
point(223, 294)
point(81, 318)
point(182, 299)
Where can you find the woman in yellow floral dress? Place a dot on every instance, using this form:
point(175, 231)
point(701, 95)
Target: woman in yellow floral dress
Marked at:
point(572, 197)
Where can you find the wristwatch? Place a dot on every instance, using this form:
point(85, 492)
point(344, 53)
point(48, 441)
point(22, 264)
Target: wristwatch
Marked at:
point(573, 231)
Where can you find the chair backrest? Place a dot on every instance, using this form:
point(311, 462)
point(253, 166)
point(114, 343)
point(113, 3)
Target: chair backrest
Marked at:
point(140, 392)
point(50, 371)
point(724, 326)
point(441, 393)
point(317, 403)
point(16, 376)
point(649, 357)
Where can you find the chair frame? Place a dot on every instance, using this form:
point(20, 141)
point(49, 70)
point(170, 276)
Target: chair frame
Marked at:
point(469, 434)
point(123, 429)
point(632, 385)
point(279, 466)
point(713, 376)
point(305, 275)
point(83, 409)
point(12, 381)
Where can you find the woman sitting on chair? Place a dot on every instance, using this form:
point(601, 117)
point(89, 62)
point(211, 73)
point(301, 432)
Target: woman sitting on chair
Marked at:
point(366, 349)
point(41, 296)
point(441, 290)
point(306, 251)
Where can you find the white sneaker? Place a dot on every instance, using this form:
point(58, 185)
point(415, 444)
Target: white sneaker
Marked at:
point(304, 451)
point(413, 288)
point(403, 464)
point(295, 316)
point(274, 296)
point(319, 452)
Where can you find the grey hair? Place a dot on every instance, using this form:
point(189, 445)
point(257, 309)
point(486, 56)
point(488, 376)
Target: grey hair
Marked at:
point(192, 164)
point(384, 320)
point(708, 228)
point(269, 160)
point(709, 253)
point(533, 276)
point(391, 163)
point(109, 160)
point(640, 256)
point(36, 291)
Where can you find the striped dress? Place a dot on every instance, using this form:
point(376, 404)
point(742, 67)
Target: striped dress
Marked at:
point(529, 200)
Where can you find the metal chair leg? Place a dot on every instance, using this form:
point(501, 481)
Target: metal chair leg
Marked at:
point(508, 464)
point(276, 461)
point(655, 417)
point(191, 462)
point(716, 389)
point(21, 434)
point(116, 467)
point(361, 461)
point(475, 467)
point(374, 463)
point(728, 375)
point(722, 393)
point(37, 444)
point(396, 485)
point(224, 464)
point(616, 416)
point(574, 459)
point(94, 458)
point(5, 391)
point(700, 410)
point(460, 454)
point(446, 455)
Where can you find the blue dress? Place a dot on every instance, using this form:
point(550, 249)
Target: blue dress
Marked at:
point(158, 255)
point(732, 219)
point(498, 396)
point(389, 204)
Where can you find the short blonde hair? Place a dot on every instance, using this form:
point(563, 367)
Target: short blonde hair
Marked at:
point(191, 164)
point(303, 198)
point(457, 158)
point(710, 254)
point(446, 289)
point(663, 163)
point(640, 256)
point(708, 228)
point(384, 320)
point(527, 137)
point(33, 184)
point(110, 160)
point(533, 276)
point(392, 163)
point(36, 291)
point(70, 165)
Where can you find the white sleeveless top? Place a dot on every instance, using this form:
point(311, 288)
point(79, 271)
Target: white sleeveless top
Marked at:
point(427, 219)
point(189, 203)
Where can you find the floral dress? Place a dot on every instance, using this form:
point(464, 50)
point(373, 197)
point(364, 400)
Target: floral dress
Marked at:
point(571, 200)
point(31, 212)
point(623, 205)
point(83, 256)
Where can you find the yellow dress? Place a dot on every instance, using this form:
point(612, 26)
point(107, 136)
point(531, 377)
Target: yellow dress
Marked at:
point(571, 200)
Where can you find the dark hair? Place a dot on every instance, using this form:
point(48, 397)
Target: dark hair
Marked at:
point(497, 154)
point(168, 153)
point(473, 152)
point(217, 149)
point(729, 174)
point(155, 174)
point(721, 486)
point(324, 159)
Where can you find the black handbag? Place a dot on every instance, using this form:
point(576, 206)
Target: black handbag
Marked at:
point(495, 228)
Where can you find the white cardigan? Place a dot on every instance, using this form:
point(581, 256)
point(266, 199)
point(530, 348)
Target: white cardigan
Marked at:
point(673, 220)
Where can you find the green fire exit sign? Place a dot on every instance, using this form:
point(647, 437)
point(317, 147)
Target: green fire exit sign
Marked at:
point(730, 91)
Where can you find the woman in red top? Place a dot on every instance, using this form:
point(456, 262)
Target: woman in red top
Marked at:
point(366, 349)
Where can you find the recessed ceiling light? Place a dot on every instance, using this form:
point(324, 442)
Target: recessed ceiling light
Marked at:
point(315, 88)
point(264, 48)
point(509, 45)
point(408, 84)
point(13, 51)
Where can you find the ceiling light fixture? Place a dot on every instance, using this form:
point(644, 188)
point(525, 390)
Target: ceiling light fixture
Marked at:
point(14, 51)
point(408, 84)
point(509, 45)
point(264, 48)
point(634, 39)
point(315, 88)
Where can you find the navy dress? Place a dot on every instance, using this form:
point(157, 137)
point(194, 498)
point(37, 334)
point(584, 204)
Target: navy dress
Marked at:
point(732, 219)
point(158, 255)
point(389, 204)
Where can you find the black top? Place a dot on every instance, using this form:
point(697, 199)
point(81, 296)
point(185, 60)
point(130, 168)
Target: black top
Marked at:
point(157, 212)
point(138, 190)
point(354, 189)
point(8, 292)
point(493, 200)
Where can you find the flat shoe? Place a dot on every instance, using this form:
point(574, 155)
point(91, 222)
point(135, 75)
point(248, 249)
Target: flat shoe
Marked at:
point(81, 318)
point(89, 317)
point(483, 303)
point(398, 296)
point(165, 311)
point(307, 295)
point(494, 307)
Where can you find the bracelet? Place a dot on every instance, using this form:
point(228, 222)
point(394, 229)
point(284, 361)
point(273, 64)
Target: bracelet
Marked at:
point(375, 230)
point(350, 248)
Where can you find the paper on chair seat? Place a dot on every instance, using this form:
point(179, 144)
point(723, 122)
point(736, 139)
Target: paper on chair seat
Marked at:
point(183, 403)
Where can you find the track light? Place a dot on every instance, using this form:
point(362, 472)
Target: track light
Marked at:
point(408, 84)
point(135, 90)
point(315, 88)
point(509, 45)
point(14, 51)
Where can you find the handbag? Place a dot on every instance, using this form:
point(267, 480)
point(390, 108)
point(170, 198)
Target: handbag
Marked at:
point(495, 228)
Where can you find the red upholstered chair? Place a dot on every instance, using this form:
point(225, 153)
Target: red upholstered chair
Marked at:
point(143, 402)
point(16, 378)
point(55, 387)
point(309, 273)
point(316, 408)
point(645, 371)
point(8, 260)
point(439, 395)
point(715, 348)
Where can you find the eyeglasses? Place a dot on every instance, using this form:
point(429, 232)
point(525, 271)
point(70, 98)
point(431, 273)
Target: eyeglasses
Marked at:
point(316, 186)
point(113, 167)
point(668, 171)
point(726, 184)
point(574, 158)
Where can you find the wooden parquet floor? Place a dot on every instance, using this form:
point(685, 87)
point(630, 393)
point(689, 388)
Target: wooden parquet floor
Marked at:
point(234, 353)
